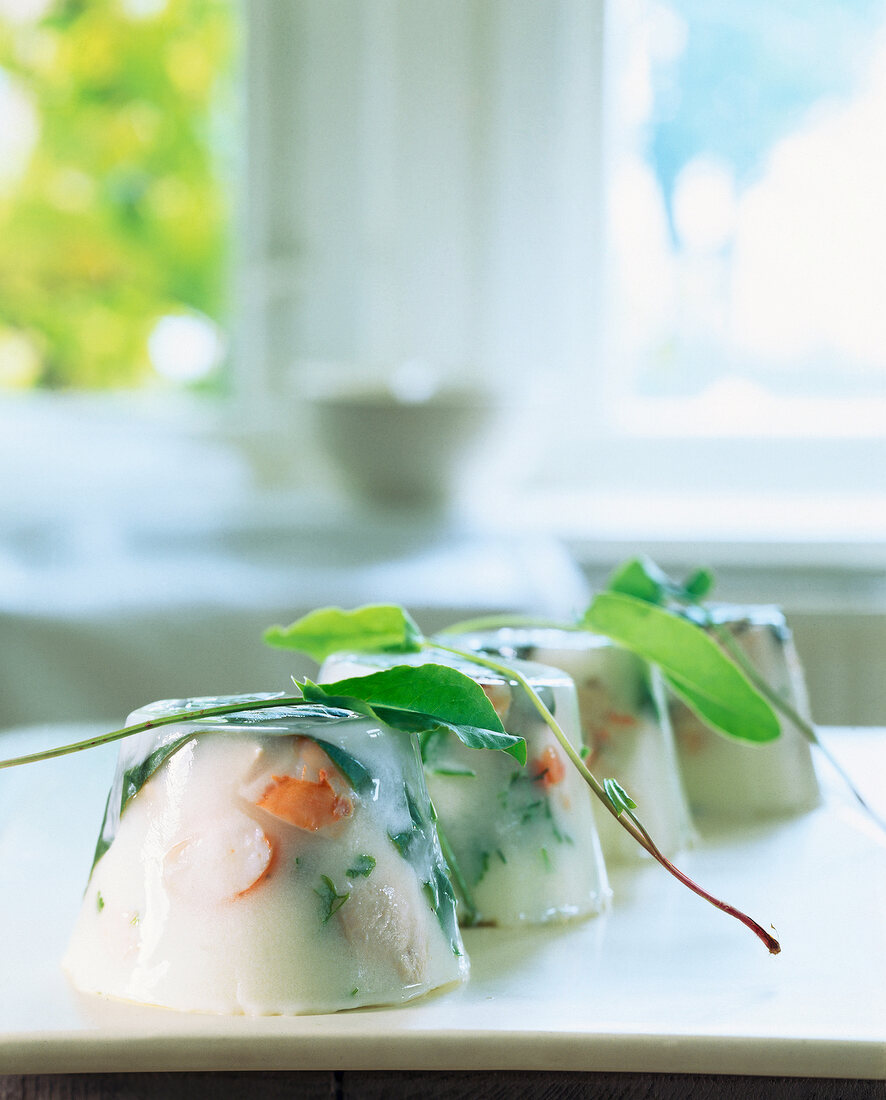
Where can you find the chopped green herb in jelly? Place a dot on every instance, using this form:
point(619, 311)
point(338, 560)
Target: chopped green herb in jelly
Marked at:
point(531, 810)
point(363, 867)
point(331, 899)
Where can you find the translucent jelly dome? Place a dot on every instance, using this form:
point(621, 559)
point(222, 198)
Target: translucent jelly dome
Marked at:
point(625, 729)
point(731, 779)
point(277, 861)
point(521, 841)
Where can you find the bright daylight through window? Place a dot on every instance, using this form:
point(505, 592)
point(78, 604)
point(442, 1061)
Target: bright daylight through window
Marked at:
point(745, 206)
point(115, 200)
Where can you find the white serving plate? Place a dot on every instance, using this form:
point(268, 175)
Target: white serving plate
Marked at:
point(663, 983)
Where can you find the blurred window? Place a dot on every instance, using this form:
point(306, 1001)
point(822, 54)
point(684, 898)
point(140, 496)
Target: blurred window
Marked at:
point(746, 183)
point(116, 128)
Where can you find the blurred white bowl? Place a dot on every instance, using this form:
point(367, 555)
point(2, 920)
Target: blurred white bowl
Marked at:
point(401, 445)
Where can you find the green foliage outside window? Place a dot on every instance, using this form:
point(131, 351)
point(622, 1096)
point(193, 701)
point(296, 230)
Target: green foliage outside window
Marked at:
point(114, 213)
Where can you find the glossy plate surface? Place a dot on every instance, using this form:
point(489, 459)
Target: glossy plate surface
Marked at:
point(663, 983)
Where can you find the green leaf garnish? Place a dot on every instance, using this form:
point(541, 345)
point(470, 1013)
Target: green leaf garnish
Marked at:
point(693, 664)
point(363, 867)
point(476, 738)
point(618, 796)
point(472, 736)
point(422, 699)
point(438, 690)
point(644, 580)
point(331, 900)
point(640, 578)
point(699, 584)
point(332, 630)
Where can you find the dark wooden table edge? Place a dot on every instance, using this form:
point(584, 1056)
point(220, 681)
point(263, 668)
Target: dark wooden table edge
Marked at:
point(432, 1085)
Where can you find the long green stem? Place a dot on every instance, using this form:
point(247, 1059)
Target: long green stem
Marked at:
point(625, 818)
point(140, 727)
point(735, 651)
point(498, 622)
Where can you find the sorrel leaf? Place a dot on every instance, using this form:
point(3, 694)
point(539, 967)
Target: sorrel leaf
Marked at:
point(693, 664)
point(439, 691)
point(332, 629)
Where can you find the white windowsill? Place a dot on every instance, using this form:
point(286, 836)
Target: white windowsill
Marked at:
point(184, 464)
point(738, 528)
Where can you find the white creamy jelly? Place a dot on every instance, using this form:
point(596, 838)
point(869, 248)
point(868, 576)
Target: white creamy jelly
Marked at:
point(738, 780)
point(625, 727)
point(521, 841)
point(276, 861)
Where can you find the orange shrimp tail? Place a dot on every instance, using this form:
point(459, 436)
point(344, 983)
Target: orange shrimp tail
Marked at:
point(305, 803)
